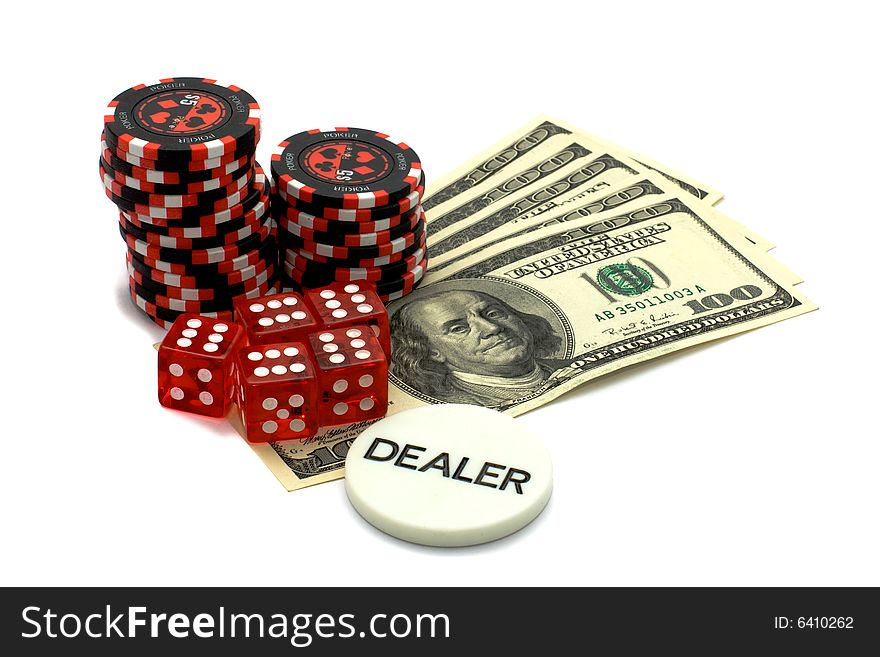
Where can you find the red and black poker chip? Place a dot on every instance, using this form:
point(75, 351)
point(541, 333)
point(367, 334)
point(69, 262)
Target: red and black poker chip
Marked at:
point(347, 207)
point(345, 168)
point(178, 159)
point(183, 119)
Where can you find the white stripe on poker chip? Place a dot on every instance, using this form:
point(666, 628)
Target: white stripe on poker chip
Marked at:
point(366, 200)
point(136, 146)
point(448, 475)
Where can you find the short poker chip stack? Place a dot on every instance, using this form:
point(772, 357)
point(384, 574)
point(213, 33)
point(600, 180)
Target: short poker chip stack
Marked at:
point(178, 160)
point(347, 205)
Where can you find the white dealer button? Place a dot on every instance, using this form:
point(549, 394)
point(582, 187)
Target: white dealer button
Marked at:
point(450, 474)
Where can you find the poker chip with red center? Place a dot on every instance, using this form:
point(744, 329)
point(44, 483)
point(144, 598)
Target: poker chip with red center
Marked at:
point(165, 317)
point(184, 305)
point(188, 206)
point(346, 274)
point(350, 216)
point(316, 278)
point(200, 256)
point(386, 291)
point(183, 119)
point(356, 253)
point(289, 250)
point(251, 218)
point(178, 159)
point(261, 252)
point(311, 222)
point(345, 168)
point(159, 177)
point(206, 278)
point(259, 194)
point(193, 243)
point(407, 225)
point(172, 167)
point(164, 189)
point(225, 291)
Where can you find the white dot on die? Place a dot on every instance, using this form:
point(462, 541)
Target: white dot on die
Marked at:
point(256, 308)
point(269, 403)
point(204, 375)
point(357, 343)
point(326, 337)
point(340, 408)
point(175, 369)
point(261, 371)
point(255, 356)
point(366, 381)
point(353, 333)
point(265, 321)
point(339, 313)
point(283, 414)
point(272, 353)
point(330, 347)
point(290, 351)
point(220, 328)
point(274, 304)
point(327, 294)
point(176, 393)
point(366, 404)
point(351, 288)
point(340, 386)
point(358, 298)
point(296, 401)
point(365, 308)
point(189, 333)
point(184, 342)
point(297, 425)
point(296, 368)
point(210, 347)
point(337, 358)
point(194, 323)
point(215, 337)
point(333, 303)
point(289, 301)
point(282, 318)
point(206, 398)
point(279, 369)
point(362, 354)
point(299, 314)
point(270, 427)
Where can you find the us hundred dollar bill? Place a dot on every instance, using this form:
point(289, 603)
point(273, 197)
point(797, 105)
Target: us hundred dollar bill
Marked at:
point(530, 318)
point(551, 216)
point(516, 168)
point(547, 133)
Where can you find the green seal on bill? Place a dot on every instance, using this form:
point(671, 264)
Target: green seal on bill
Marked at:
point(625, 279)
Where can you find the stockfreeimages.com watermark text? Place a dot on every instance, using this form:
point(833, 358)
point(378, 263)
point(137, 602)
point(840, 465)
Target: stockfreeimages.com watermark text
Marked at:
point(300, 629)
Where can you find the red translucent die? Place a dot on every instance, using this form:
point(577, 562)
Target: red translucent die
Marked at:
point(341, 305)
point(352, 375)
point(196, 363)
point(275, 318)
point(277, 392)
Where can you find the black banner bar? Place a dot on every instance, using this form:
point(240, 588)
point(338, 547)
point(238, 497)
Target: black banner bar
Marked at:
point(449, 621)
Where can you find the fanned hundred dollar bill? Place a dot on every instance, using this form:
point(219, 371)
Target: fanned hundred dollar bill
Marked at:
point(561, 258)
point(527, 319)
point(496, 172)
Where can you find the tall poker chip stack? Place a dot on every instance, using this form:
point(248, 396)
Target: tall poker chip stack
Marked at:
point(178, 160)
point(347, 205)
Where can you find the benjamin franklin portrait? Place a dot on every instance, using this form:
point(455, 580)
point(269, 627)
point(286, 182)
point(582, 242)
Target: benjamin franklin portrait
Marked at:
point(469, 346)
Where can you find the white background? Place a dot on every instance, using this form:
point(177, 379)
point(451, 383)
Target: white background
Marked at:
point(751, 461)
